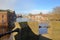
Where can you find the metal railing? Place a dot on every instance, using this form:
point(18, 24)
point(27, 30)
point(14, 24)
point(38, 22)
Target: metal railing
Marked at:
point(9, 32)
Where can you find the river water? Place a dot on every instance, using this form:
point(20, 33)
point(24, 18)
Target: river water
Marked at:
point(42, 30)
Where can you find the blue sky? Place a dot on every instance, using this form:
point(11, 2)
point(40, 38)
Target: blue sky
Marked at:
point(29, 6)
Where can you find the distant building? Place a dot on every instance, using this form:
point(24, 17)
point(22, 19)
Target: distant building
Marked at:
point(18, 15)
point(38, 17)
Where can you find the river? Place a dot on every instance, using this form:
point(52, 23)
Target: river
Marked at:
point(42, 30)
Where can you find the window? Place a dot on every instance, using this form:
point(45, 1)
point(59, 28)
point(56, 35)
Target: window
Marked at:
point(3, 22)
point(2, 16)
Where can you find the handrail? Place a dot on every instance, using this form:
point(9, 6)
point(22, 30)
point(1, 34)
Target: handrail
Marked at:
point(9, 32)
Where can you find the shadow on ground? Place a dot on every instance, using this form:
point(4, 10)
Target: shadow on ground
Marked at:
point(26, 33)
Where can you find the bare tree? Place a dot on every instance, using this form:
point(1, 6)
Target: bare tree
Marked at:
point(56, 14)
point(56, 10)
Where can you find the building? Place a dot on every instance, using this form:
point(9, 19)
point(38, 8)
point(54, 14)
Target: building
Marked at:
point(38, 17)
point(7, 19)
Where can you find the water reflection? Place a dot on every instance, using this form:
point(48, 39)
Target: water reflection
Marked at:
point(22, 19)
point(43, 28)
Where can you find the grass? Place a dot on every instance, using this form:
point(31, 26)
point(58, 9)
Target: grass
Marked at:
point(55, 25)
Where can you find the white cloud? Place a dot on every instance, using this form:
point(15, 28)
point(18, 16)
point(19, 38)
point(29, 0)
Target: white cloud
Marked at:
point(7, 4)
point(38, 11)
point(27, 4)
